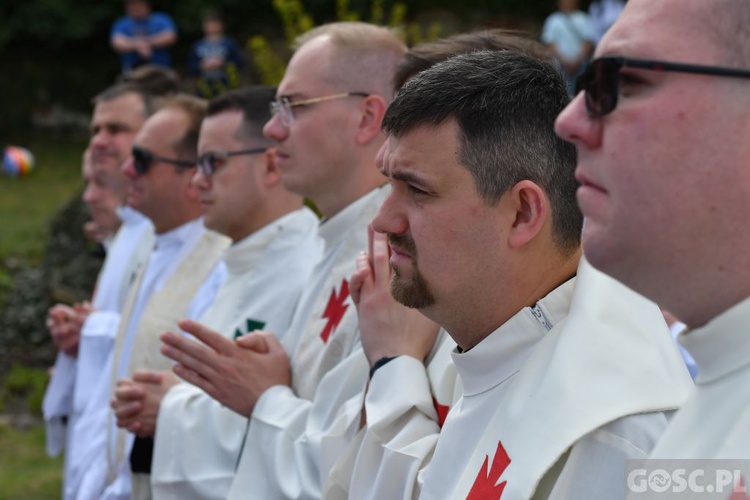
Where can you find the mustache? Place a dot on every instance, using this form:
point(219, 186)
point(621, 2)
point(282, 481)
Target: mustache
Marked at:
point(404, 243)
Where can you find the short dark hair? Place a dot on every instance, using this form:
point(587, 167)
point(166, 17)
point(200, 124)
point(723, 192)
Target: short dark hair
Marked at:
point(505, 104)
point(254, 102)
point(422, 56)
point(150, 102)
point(194, 108)
point(213, 14)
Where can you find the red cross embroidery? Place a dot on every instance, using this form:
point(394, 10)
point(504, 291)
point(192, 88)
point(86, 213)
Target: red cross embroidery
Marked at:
point(335, 310)
point(485, 485)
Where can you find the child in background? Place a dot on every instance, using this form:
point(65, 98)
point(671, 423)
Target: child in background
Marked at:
point(215, 59)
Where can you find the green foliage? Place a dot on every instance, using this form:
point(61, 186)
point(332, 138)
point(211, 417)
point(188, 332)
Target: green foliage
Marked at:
point(270, 66)
point(24, 385)
point(28, 204)
point(297, 21)
point(44, 256)
point(294, 18)
point(6, 282)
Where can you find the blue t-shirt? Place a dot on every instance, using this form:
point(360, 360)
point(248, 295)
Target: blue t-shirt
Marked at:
point(155, 23)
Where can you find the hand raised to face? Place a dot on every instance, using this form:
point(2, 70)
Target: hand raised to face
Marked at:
point(387, 328)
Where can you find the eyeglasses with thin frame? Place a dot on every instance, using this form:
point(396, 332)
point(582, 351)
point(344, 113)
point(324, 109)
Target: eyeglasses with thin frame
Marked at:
point(143, 158)
point(208, 162)
point(601, 79)
point(282, 106)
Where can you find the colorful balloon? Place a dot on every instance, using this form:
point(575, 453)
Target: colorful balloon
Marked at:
point(17, 161)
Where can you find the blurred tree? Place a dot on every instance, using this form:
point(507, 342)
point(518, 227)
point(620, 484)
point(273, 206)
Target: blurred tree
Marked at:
point(296, 21)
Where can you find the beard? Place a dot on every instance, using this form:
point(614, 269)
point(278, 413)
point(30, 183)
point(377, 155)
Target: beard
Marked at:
point(413, 292)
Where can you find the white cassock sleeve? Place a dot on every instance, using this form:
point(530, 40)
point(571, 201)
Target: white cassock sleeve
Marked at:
point(58, 402)
point(389, 456)
point(209, 467)
point(292, 443)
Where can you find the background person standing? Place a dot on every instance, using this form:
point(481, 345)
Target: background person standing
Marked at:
point(568, 33)
point(142, 36)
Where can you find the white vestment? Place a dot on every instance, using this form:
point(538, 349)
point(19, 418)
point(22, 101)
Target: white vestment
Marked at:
point(72, 385)
point(102, 465)
point(290, 436)
point(198, 441)
point(715, 421)
point(553, 403)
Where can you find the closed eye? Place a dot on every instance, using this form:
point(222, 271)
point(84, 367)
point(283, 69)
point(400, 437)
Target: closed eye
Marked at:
point(415, 190)
point(629, 82)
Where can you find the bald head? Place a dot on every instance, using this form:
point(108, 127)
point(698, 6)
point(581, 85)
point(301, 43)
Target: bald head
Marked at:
point(363, 56)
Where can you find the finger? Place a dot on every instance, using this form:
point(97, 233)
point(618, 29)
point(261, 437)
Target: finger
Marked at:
point(127, 411)
point(272, 342)
point(127, 393)
point(180, 349)
point(357, 280)
point(254, 342)
point(381, 258)
point(123, 382)
point(370, 235)
point(60, 310)
point(193, 378)
point(193, 357)
point(147, 377)
point(213, 339)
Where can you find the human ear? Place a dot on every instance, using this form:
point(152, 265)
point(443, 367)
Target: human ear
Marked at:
point(270, 172)
point(373, 109)
point(531, 212)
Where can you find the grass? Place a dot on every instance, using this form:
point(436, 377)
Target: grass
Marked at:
point(26, 207)
point(28, 203)
point(26, 472)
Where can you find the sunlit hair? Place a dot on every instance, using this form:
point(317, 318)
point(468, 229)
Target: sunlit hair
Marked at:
point(364, 58)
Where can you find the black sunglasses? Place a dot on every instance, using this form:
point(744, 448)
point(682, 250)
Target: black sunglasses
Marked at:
point(601, 79)
point(142, 159)
point(207, 162)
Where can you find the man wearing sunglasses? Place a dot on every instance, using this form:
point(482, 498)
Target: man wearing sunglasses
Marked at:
point(661, 123)
point(326, 127)
point(275, 247)
point(179, 279)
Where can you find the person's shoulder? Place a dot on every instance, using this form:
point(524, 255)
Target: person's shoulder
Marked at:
point(551, 24)
point(161, 18)
point(554, 19)
point(160, 15)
